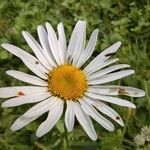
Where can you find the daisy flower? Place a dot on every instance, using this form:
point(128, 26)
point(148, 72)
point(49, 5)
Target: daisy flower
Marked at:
point(60, 79)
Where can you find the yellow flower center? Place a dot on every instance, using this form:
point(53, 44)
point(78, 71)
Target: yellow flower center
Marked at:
point(67, 82)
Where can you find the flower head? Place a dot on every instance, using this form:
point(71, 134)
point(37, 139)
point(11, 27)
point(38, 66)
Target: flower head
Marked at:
point(139, 140)
point(145, 131)
point(62, 80)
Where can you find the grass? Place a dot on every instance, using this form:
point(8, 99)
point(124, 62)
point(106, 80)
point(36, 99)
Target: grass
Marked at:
point(118, 20)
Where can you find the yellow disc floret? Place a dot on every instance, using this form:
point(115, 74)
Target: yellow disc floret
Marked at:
point(67, 82)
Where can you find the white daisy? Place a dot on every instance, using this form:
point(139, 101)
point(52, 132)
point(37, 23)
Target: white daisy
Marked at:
point(63, 81)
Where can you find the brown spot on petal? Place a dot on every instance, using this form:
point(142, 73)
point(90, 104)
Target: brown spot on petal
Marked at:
point(117, 118)
point(37, 62)
point(21, 93)
point(46, 74)
point(122, 92)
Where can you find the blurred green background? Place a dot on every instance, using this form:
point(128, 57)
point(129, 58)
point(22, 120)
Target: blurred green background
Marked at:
point(123, 20)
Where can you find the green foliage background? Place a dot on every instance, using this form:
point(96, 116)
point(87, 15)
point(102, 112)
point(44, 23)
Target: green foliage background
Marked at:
point(127, 21)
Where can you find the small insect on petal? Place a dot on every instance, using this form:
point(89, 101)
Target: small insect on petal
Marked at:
point(37, 62)
point(20, 93)
point(122, 92)
point(117, 118)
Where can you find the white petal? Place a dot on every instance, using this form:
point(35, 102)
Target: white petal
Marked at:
point(107, 70)
point(40, 108)
point(102, 57)
point(104, 64)
point(106, 110)
point(52, 38)
point(21, 122)
point(102, 90)
point(31, 62)
point(53, 117)
point(110, 99)
point(7, 92)
point(34, 66)
point(26, 78)
point(32, 98)
point(43, 37)
point(37, 49)
point(86, 54)
point(77, 42)
point(25, 118)
point(61, 41)
point(111, 77)
point(69, 117)
point(80, 43)
point(91, 111)
point(116, 90)
point(84, 120)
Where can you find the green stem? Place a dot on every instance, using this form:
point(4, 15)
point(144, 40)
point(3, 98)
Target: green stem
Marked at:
point(41, 146)
point(2, 141)
point(127, 121)
point(147, 96)
point(65, 140)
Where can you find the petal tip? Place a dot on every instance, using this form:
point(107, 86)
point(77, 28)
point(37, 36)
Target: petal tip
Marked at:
point(47, 24)
point(142, 93)
point(13, 128)
point(94, 138)
point(121, 123)
point(2, 105)
point(70, 130)
point(96, 31)
point(7, 72)
point(83, 21)
point(38, 27)
point(119, 42)
point(24, 33)
point(131, 71)
point(133, 106)
point(38, 134)
point(112, 128)
point(60, 24)
point(3, 45)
